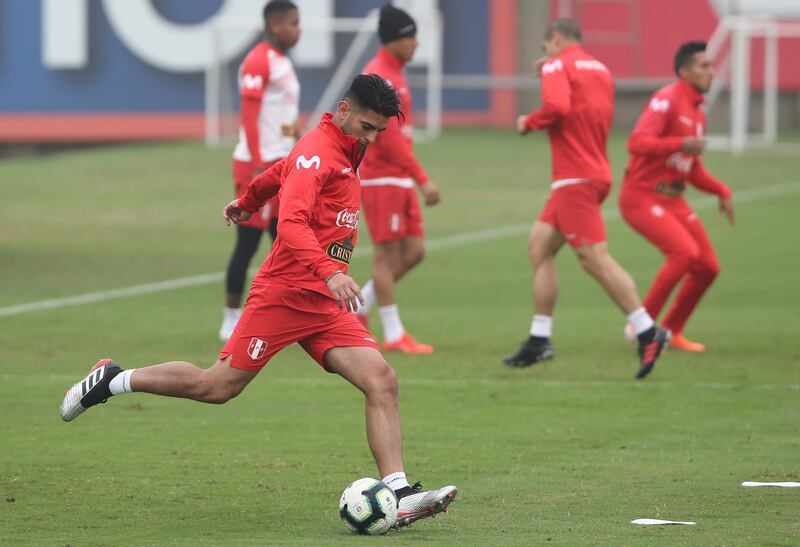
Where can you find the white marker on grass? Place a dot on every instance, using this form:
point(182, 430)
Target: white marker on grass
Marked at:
point(782, 484)
point(656, 522)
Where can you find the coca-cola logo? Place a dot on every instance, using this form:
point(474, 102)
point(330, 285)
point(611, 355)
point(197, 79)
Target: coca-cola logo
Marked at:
point(347, 219)
point(680, 162)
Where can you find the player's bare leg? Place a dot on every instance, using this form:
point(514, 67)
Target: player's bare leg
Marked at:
point(367, 370)
point(543, 246)
point(619, 285)
point(391, 261)
point(216, 384)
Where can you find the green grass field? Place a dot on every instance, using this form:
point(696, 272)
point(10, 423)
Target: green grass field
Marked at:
point(564, 453)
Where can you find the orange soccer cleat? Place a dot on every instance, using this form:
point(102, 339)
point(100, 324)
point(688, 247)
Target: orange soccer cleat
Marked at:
point(679, 342)
point(407, 344)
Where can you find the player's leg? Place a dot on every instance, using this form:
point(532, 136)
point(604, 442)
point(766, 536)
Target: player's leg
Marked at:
point(543, 244)
point(217, 384)
point(703, 270)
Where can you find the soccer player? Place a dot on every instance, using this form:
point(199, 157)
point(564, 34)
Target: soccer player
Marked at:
point(388, 177)
point(577, 109)
point(665, 148)
point(302, 293)
point(270, 95)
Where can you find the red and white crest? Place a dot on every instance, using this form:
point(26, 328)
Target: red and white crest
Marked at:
point(257, 348)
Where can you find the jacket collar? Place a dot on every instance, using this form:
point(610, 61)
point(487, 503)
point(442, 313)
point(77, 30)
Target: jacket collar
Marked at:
point(389, 59)
point(688, 91)
point(572, 48)
point(347, 145)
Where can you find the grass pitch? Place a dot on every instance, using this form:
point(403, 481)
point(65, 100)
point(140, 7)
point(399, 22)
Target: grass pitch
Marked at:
point(566, 453)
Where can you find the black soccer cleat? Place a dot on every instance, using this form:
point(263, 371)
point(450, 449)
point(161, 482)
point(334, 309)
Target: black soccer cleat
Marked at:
point(531, 352)
point(650, 351)
point(92, 390)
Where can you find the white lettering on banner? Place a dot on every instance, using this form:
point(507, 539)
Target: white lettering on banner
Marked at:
point(549, 68)
point(347, 219)
point(304, 163)
point(659, 105)
point(161, 43)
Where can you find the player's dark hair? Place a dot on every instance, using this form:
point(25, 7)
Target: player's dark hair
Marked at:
point(372, 92)
point(567, 28)
point(685, 55)
point(278, 7)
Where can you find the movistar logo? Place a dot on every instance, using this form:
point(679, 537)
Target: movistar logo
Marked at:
point(252, 82)
point(307, 163)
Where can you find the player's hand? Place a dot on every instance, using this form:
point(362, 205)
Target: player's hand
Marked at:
point(694, 145)
point(537, 67)
point(431, 193)
point(233, 213)
point(345, 291)
point(726, 208)
point(522, 127)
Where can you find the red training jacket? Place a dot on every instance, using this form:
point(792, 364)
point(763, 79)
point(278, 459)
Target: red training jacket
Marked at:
point(672, 113)
point(577, 110)
point(320, 196)
point(392, 153)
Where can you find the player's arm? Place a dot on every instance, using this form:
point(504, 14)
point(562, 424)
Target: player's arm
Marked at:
point(648, 136)
point(705, 181)
point(260, 190)
point(402, 154)
point(556, 98)
point(253, 84)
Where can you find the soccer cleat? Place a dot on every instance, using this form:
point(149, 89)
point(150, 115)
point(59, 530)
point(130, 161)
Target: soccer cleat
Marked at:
point(630, 336)
point(530, 353)
point(679, 342)
point(407, 344)
point(420, 505)
point(650, 351)
point(229, 321)
point(90, 391)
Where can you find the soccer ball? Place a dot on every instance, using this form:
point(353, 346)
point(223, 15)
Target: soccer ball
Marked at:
point(368, 507)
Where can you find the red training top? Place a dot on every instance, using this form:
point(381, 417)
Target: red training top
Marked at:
point(672, 114)
point(320, 196)
point(577, 110)
point(392, 155)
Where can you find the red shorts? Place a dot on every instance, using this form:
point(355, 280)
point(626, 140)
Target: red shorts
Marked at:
point(275, 317)
point(242, 175)
point(392, 211)
point(574, 210)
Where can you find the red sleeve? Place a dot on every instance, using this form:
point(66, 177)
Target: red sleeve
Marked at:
point(648, 136)
point(262, 188)
point(252, 84)
point(703, 180)
point(556, 96)
point(299, 196)
point(401, 149)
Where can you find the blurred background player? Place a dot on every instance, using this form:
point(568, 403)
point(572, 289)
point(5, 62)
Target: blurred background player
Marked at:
point(665, 148)
point(301, 294)
point(389, 174)
point(270, 102)
point(577, 110)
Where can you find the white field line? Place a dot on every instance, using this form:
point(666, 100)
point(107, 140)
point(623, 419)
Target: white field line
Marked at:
point(457, 240)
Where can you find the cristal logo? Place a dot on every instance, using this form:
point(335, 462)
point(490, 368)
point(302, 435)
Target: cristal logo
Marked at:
point(549, 68)
point(252, 82)
point(347, 219)
point(304, 163)
point(680, 163)
point(659, 105)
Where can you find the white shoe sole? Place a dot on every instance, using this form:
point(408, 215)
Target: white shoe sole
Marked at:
point(71, 406)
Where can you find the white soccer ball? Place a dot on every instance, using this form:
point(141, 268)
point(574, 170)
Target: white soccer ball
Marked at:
point(368, 507)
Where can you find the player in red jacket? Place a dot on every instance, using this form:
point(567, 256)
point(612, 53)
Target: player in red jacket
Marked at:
point(302, 293)
point(270, 99)
point(577, 110)
point(389, 175)
point(665, 148)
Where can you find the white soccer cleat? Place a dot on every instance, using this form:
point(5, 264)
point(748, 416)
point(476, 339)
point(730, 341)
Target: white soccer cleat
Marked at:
point(90, 391)
point(420, 505)
point(230, 318)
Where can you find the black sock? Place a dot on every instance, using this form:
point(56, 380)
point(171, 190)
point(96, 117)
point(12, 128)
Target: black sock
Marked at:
point(647, 336)
point(538, 340)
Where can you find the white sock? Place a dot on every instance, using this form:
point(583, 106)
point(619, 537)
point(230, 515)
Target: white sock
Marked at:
point(231, 314)
point(542, 326)
point(368, 290)
point(392, 326)
point(640, 320)
point(121, 383)
point(396, 481)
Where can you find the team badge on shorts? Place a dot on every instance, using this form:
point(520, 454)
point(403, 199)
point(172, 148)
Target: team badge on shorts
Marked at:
point(257, 348)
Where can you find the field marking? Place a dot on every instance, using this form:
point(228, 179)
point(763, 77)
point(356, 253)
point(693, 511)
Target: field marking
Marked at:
point(456, 240)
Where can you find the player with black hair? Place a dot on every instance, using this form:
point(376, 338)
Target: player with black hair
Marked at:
point(302, 293)
point(270, 99)
point(665, 148)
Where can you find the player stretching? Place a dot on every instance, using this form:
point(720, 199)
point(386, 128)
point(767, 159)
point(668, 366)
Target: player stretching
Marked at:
point(388, 176)
point(270, 95)
point(302, 293)
point(665, 149)
point(577, 109)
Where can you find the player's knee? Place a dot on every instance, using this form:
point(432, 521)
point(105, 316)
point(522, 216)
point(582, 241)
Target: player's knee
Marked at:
point(414, 257)
point(708, 268)
point(684, 259)
point(214, 390)
point(383, 382)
